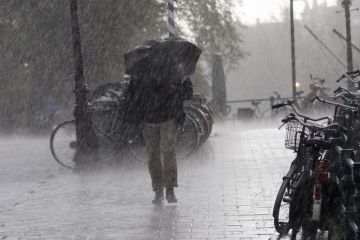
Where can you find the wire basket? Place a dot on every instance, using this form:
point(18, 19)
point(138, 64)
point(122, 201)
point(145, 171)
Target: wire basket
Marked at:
point(293, 134)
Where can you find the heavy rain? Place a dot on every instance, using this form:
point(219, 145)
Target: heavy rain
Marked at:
point(179, 119)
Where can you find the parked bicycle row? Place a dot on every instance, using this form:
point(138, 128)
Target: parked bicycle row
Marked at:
point(261, 109)
point(319, 196)
point(106, 111)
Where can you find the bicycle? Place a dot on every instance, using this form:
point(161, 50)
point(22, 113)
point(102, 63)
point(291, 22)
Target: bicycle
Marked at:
point(199, 109)
point(281, 112)
point(106, 111)
point(337, 148)
point(299, 203)
point(347, 154)
point(274, 113)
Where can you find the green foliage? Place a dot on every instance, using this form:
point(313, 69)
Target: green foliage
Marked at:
point(215, 28)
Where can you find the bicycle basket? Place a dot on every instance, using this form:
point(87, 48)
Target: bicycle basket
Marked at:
point(293, 134)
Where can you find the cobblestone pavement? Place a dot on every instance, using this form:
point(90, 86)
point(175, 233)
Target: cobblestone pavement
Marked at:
point(226, 191)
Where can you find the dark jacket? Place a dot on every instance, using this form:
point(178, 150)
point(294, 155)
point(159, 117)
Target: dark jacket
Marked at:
point(156, 103)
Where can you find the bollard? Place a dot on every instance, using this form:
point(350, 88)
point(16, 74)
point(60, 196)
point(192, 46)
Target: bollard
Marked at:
point(171, 19)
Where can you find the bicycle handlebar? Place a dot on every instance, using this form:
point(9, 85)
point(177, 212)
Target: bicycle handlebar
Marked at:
point(280, 105)
point(341, 95)
point(328, 127)
point(341, 78)
point(355, 100)
point(332, 103)
point(350, 76)
point(353, 73)
point(342, 89)
point(290, 102)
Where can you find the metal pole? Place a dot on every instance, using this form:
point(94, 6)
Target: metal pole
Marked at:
point(293, 63)
point(346, 4)
point(325, 46)
point(344, 38)
point(80, 87)
point(171, 19)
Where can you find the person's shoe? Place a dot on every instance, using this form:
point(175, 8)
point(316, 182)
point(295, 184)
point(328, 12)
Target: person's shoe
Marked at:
point(159, 196)
point(170, 195)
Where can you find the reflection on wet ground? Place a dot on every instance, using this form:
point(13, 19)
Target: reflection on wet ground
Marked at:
point(226, 191)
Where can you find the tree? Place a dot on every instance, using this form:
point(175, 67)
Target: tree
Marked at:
point(214, 27)
point(36, 44)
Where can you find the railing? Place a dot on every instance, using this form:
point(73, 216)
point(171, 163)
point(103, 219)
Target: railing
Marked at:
point(272, 101)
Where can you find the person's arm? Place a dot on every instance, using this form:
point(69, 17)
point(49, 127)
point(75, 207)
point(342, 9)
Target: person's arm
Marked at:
point(187, 89)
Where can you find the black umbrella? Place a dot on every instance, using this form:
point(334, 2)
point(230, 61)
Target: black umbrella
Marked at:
point(162, 60)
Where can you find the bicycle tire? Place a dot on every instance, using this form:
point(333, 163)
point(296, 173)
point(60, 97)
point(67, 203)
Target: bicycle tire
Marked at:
point(305, 228)
point(279, 226)
point(134, 142)
point(209, 122)
point(206, 126)
point(193, 127)
point(198, 113)
point(52, 147)
point(307, 232)
point(142, 156)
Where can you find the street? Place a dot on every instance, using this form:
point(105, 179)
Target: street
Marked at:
point(226, 191)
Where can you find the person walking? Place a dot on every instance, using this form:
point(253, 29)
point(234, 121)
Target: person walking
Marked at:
point(162, 108)
point(159, 84)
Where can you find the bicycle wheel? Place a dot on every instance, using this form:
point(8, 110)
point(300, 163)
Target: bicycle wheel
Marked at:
point(63, 144)
point(332, 224)
point(188, 139)
point(337, 221)
point(136, 145)
point(108, 125)
point(281, 210)
point(204, 119)
point(308, 231)
point(303, 227)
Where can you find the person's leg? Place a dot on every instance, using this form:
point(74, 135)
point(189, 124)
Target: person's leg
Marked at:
point(168, 146)
point(151, 133)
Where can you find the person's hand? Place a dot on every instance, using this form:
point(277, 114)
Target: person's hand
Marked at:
point(170, 88)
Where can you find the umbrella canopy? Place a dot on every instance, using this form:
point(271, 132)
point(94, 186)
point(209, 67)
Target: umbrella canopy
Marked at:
point(162, 61)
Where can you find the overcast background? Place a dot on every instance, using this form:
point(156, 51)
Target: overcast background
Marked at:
point(267, 66)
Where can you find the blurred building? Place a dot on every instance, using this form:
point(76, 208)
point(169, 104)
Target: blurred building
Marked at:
point(267, 68)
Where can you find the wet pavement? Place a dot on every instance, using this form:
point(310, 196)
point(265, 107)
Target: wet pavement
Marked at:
point(226, 191)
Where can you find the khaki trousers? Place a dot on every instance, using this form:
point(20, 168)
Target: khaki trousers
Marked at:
point(160, 140)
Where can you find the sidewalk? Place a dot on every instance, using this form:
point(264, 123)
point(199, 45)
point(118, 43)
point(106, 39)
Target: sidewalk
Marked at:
point(226, 191)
